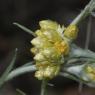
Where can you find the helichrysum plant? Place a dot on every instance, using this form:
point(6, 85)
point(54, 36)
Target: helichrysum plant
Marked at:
point(56, 54)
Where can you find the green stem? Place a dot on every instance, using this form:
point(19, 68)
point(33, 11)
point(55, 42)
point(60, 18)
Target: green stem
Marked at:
point(87, 11)
point(43, 87)
point(86, 47)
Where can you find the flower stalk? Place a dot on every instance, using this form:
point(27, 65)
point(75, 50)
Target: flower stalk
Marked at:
point(43, 87)
point(84, 13)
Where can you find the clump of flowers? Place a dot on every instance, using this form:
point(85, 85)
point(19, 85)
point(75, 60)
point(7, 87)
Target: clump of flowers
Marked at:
point(51, 45)
point(90, 72)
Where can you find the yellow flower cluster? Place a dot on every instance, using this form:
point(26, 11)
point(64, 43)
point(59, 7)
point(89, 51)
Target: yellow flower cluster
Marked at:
point(90, 71)
point(50, 47)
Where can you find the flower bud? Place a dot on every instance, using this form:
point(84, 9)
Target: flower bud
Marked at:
point(48, 24)
point(90, 72)
point(39, 74)
point(39, 42)
point(48, 72)
point(39, 57)
point(71, 32)
point(51, 71)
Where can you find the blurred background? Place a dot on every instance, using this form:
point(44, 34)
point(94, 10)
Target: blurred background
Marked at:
point(29, 13)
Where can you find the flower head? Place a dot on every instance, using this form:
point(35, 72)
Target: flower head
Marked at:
point(50, 48)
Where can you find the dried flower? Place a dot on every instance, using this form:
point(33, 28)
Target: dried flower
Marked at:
point(50, 47)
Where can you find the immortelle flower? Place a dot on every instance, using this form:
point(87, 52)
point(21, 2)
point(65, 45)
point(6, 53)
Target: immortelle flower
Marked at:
point(50, 48)
point(90, 72)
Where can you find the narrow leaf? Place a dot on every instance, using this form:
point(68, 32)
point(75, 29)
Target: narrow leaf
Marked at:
point(20, 71)
point(28, 64)
point(20, 92)
point(25, 29)
point(9, 68)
